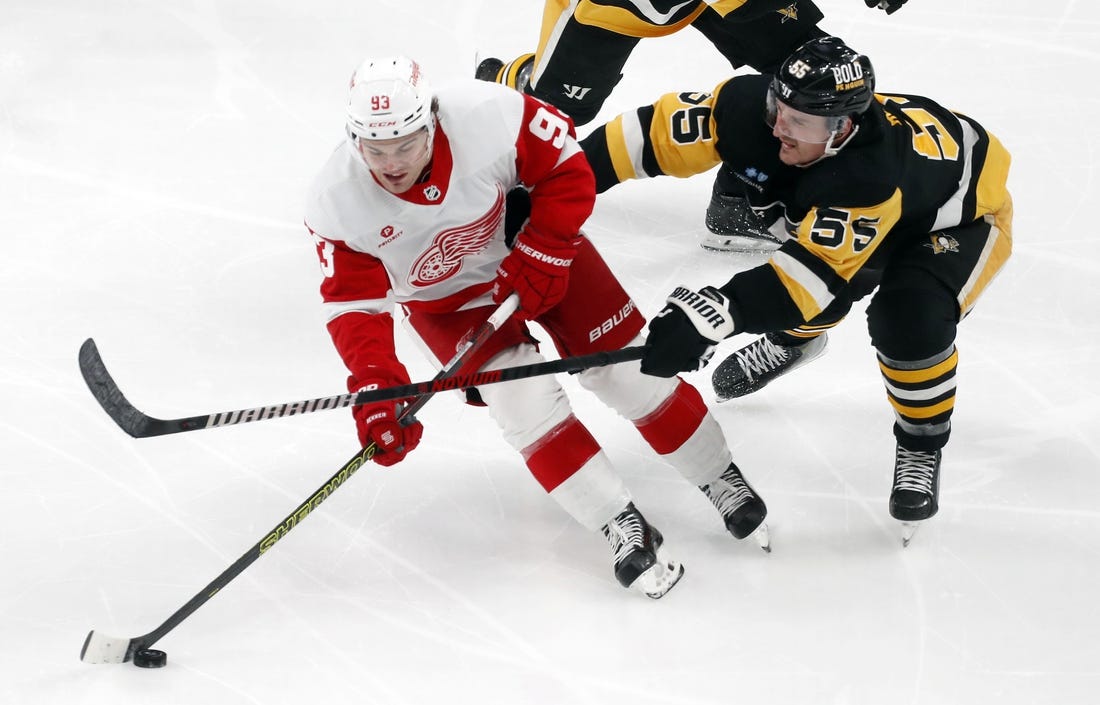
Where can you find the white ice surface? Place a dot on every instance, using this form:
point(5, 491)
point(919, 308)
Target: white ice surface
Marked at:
point(153, 162)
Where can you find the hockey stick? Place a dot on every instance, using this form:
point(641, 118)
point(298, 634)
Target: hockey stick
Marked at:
point(140, 425)
point(100, 648)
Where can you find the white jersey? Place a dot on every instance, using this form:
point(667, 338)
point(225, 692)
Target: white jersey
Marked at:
point(438, 244)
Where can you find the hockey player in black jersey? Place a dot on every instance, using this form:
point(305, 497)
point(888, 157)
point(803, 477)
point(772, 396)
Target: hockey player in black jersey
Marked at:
point(584, 45)
point(889, 193)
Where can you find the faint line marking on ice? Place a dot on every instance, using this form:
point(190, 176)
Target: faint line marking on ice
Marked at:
point(891, 530)
point(523, 652)
point(515, 649)
point(150, 197)
point(221, 682)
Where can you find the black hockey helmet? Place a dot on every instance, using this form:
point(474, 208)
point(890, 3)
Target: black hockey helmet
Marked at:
point(826, 77)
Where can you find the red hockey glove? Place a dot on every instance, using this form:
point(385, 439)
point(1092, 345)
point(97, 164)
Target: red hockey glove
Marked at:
point(377, 423)
point(537, 269)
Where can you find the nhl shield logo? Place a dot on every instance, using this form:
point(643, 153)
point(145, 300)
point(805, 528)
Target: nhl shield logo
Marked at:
point(432, 193)
point(941, 243)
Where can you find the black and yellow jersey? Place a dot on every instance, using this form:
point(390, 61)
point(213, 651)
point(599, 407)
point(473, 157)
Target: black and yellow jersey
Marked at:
point(912, 168)
point(656, 18)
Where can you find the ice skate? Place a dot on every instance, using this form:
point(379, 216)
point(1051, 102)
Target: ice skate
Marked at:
point(488, 69)
point(915, 495)
point(742, 510)
point(752, 367)
point(640, 561)
point(515, 74)
point(732, 226)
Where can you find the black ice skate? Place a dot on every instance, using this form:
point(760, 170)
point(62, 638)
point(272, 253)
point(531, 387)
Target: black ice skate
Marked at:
point(742, 510)
point(515, 74)
point(488, 69)
point(734, 227)
point(752, 367)
point(640, 562)
point(915, 496)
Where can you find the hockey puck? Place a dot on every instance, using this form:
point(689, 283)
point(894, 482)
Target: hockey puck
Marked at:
point(150, 658)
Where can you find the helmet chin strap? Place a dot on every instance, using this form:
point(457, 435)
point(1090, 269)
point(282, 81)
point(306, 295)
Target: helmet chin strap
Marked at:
point(831, 149)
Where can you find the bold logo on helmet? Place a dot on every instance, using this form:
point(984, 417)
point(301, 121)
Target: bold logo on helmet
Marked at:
point(443, 259)
point(848, 76)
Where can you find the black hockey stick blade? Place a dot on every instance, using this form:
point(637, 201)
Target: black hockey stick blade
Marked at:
point(110, 397)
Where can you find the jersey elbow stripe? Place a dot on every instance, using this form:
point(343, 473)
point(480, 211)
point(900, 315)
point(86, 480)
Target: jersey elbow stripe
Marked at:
point(807, 330)
point(648, 159)
point(991, 186)
point(618, 139)
point(982, 184)
point(953, 212)
point(335, 309)
point(628, 145)
point(808, 290)
point(995, 252)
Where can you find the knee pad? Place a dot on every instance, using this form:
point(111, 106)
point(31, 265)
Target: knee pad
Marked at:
point(625, 389)
point(912, 322)
point(524, 409)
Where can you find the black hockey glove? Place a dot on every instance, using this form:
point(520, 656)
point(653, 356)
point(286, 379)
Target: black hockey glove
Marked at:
point(891, 6)
point(683, 335)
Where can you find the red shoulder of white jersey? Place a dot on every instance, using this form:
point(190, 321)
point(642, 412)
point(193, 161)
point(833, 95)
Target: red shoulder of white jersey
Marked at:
point(552, 165)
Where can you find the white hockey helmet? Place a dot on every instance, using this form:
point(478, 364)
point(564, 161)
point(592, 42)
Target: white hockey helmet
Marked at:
point(389, 97)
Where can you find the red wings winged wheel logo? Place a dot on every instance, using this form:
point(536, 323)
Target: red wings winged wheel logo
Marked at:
point(444, 257)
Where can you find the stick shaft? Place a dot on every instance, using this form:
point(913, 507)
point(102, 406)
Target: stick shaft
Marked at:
point(475, 340)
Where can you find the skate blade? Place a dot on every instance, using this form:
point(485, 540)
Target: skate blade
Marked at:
point(908, 531)
point(661, 577)
point(721, 397)
point(737, 243)
point(763, 537)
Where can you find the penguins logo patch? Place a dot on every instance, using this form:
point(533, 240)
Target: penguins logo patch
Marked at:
point(941, 243)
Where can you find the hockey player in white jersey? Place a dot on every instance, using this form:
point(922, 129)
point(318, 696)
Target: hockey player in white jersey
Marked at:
point(440, 203)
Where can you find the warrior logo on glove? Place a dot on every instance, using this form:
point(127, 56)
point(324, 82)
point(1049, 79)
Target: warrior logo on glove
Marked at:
point(683, 335)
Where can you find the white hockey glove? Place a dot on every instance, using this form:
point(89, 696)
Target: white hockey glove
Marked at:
point(683, 335)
